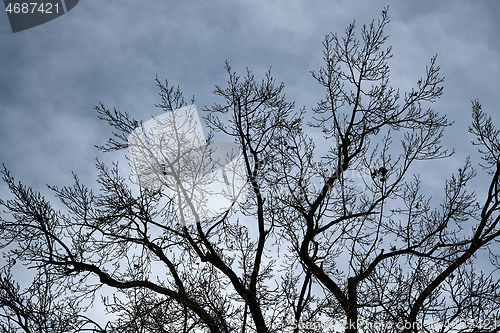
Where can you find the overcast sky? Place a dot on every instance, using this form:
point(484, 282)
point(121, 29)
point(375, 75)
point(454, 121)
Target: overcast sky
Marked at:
point(110, 51)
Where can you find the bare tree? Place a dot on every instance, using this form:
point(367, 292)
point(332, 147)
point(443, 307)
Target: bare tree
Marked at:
point(331, 232)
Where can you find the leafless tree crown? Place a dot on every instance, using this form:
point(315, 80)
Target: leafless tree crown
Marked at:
point(336, 230)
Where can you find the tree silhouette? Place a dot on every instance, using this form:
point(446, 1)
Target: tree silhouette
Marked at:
point(332, 232)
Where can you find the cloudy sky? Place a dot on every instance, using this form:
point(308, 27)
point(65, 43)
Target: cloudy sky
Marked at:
point(110, 51)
